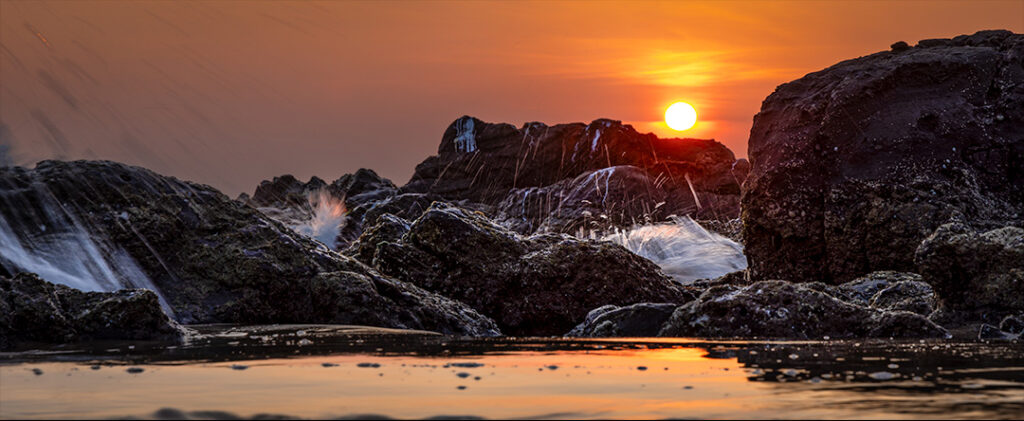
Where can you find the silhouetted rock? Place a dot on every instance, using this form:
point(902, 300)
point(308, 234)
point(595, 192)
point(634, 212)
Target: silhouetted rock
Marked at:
point(853, 166)
point(217, 260)
point(35, 311)
point(779, 309)
point(500, 165)
point(1013, 324)
point(539, 285)
point(637, 320)
point(975, 272)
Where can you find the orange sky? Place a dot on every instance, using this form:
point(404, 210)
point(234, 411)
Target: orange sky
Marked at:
point(229, 93)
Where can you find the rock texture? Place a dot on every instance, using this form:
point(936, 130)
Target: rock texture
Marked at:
point(853, 166)
point(535, 170)
point(779, 309)
point(219, 260)
point(538, 285)
point(34, 311)
point(975, 272)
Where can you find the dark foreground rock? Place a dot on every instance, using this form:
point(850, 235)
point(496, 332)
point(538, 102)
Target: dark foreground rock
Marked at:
point(766, 309)
point(35, 311)
point(853, 166)
point(217, 260)
point(539, 285)
point(980, 273)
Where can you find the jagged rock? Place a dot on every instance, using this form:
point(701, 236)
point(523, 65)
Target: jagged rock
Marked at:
point(389, 228)
point(539, 285)
point(862, 290)
point(779, 309)
point(595, 200)
point(637, 320)
point(988, 331)
point(285, 192)
point(217, 260)
point(1013, 324)
point(913, 296)
point(853, 166)
point(491, 163)
point(35, 311)
point(975, 272)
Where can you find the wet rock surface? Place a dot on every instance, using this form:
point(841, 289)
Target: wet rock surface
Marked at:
point(34, 311)
point(973, 271)
point(639, 320)
point(538, 285)
point(853, 166)
point(218, 260)
point(543, 166)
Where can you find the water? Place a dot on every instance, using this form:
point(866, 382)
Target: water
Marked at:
point(685, 250)
point(332, 371)
point(327, 218)
point(42, 237)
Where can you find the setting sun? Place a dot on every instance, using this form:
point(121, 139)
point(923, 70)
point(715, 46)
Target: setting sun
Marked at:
point(680, 116)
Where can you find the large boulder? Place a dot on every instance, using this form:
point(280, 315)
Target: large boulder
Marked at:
point(538, 285)
point(495, 163)
point(35, 311)
point(214, 260)
point(975, 272)
point(779, 309)
point(853, 166)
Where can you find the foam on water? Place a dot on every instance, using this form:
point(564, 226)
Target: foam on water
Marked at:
point(684, 249)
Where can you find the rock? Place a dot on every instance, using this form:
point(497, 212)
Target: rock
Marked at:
point(862, 290)
point(216, 260)
point(853, 166)
point(977, 272)
point(495, 163)
point(35, 311)
point(913, 296)
point(988, 331)
point(637, 320)
point(779, 309)
point(740, 170)
point(538, 285)
point(899, 46)
point(388, 228)
point(594, 201)
point(1013, 324)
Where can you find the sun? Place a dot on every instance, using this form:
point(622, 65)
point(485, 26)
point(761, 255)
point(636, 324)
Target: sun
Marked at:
point(681, 116)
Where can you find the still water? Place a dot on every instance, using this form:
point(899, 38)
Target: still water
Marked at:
point(336, 371)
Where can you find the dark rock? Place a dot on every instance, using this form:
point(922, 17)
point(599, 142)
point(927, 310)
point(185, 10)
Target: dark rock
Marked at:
point(988, 331)
point(492, 163)
point(853, 166)
point(406, 206)
point(216, 260)
point(388, 228)
point(595, 200)
point(638, 320)
point(1013, 324)
point(35, 311)
point(913, 296)
point(862, 290)
point(899, 46)
point(779, 309)
point(539, 285)
point(972, 271)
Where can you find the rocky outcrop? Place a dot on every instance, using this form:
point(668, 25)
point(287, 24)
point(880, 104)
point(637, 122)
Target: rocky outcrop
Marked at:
point(535, 170)
point(33, 311)
point(853, 166)
point(218, 260)
point(975, 272)
point(538, 285)
point(637, 320)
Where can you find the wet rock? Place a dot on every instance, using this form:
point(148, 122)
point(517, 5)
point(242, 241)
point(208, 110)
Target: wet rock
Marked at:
point(494, 163)
point(216, 260)
point(913, 296)
point(538, 285)
point(853, 166)
point(1013, 324)
point(35, 311)
point(639, 320)
point(988, 331)
point(974, 271)
point(779, 309)
point(388, 228)
point(862, 290)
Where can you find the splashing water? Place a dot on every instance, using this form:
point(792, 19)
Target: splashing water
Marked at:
point(684, 249)
point(43, 238)
point(327, 219)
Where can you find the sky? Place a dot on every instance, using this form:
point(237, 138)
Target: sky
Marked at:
point(228, 93)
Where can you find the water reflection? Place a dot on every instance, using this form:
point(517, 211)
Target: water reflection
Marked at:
point(329, 371)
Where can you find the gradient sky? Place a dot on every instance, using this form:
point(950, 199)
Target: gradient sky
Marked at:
point(229, 93)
